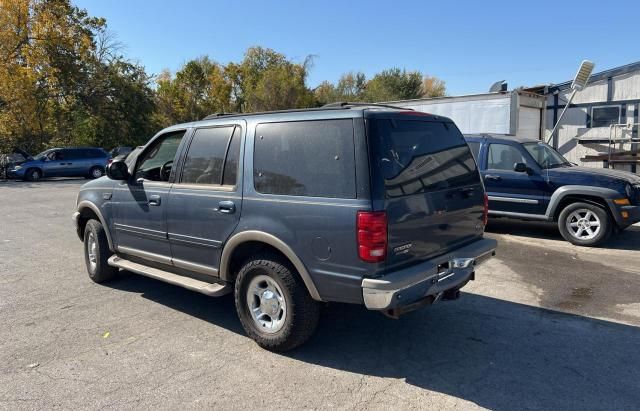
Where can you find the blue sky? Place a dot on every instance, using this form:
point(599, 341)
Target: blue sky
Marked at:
point(468, 44)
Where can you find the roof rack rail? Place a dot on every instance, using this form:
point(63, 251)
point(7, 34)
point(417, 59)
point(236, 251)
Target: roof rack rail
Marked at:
point(216, 115)
point(345, 104)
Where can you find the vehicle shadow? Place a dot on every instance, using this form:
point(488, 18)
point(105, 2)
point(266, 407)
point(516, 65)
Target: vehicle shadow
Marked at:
point(494, 353)
point(628, 239)
point(219, 311)
point(497, 354)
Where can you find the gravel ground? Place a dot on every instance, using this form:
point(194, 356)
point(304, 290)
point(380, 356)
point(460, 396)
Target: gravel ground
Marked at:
point(546, 325)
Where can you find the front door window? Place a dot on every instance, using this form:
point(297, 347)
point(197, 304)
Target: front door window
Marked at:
point(157, 162)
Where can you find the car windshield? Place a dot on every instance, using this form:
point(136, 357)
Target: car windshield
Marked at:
point(40, 156)
point(546, 156)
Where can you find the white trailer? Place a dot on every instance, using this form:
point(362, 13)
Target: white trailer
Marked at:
point(517, 113)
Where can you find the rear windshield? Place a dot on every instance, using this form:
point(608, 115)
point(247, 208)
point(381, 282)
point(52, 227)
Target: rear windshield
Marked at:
point(418, 156)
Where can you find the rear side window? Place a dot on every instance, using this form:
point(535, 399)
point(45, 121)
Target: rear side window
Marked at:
point(205, 158)
point(97, 153)
point(419, 156)
point(305, 158)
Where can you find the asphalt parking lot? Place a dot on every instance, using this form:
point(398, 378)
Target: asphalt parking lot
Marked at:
point(546, 325)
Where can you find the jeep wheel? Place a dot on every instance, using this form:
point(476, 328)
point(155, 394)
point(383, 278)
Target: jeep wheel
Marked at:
point(273, 304)
point(33, 174)
point(584, 224)
point(96, 253)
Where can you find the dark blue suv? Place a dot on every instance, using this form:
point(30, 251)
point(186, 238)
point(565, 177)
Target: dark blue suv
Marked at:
point(528, 179)
point(89, 162)
point(352, 203)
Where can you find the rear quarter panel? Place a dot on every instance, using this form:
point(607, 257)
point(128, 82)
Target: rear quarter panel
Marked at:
point(320, 231)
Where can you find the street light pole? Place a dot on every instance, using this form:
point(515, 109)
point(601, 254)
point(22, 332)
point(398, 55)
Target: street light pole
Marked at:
point(579, 83)
point(564, 110)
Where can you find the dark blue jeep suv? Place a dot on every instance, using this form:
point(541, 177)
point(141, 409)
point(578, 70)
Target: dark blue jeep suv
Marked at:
point(528, 179)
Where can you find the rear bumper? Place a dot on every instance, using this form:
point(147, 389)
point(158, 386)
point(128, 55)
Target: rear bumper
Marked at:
point(430, 279)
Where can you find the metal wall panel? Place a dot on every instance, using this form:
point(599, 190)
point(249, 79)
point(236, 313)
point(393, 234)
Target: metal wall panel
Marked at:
point(626, 87)
point(529, 123)
point(488, 115)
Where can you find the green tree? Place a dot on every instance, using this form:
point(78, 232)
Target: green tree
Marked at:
point(266, 80)
point(63, 82)
point(394, 84)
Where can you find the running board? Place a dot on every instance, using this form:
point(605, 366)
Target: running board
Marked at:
point(211, 289)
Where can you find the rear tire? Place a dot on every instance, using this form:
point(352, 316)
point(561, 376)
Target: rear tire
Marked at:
point(33, 174)
point(95, 172)
point(585, 224)
point(97, 253)
point(273, 304)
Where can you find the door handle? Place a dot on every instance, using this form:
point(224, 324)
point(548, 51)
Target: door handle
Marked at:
point(154, 200)
point(227, 207)
point(492, 177)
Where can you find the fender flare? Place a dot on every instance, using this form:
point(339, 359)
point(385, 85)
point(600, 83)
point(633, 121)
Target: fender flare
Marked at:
point(88, 204)
point(558, 195)
point(262, 237)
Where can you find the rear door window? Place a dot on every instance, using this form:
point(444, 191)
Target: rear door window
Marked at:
point(419, 156)
point(305, 158)
point(230, 172)
point(205, 158)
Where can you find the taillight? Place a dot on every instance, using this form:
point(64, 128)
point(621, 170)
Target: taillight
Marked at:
point(372, 236)
point(485, 210)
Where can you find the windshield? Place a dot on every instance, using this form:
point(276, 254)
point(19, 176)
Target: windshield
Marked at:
point(40, 156)
point(545, 156)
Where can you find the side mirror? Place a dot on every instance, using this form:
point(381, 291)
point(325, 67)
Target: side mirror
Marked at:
point(520, 168)
point(118, 170)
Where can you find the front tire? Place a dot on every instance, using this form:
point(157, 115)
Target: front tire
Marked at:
point(585, 224)
point(33, 174)
point(96, 253)
point(273, 304)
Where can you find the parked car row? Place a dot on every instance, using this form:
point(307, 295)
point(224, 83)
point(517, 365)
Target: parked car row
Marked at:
point(88, 162)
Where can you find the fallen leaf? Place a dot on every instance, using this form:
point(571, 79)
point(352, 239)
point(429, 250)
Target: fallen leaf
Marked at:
point(106, 335)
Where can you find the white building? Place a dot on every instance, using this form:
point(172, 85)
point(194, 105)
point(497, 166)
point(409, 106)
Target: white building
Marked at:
point(515, 112)
point(607, 107)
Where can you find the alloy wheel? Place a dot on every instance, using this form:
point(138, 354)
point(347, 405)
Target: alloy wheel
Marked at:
point(92, 251)
point(266, 303)
point(583, 224)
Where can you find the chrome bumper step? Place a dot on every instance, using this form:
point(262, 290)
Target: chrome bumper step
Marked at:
point(203, 287)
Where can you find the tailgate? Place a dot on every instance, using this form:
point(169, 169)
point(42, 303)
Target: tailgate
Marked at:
point(430, 185)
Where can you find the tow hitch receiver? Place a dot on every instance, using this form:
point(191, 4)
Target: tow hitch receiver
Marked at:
point(395, 313)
